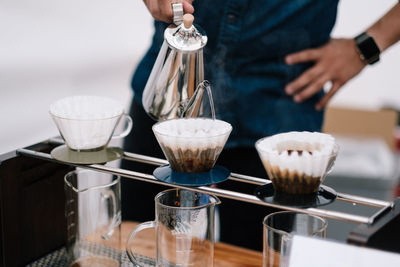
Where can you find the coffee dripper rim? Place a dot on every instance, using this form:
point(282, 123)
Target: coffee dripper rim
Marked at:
point(228, 131)
point(116, 109)
point(260, 148)
point(85, 119)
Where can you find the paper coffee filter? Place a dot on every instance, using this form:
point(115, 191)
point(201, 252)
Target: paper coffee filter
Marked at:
point(192, 145)
point(86, 134)
point(281, 150)
point(86, 108)
point(192, 133)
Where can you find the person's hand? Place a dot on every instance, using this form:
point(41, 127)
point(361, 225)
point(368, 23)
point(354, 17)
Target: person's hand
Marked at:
point(162, 10)
point(337, 61)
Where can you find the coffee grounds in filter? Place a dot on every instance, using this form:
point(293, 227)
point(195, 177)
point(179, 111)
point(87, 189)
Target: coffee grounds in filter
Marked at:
point(293, 182)
point(191, 160)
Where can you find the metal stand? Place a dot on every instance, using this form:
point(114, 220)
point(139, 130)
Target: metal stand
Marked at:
point(31, 192)
point(383, 206)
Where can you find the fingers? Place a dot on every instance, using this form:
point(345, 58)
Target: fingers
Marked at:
point(313, 88)
point(187, 7)
point(325, 99)
point(303, 56)
point(161, 10)
point(311, 82)
point(165, 11)
point(336, 61)
point(303, 80)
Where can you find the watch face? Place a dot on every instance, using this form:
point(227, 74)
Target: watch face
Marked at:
point(368, 48)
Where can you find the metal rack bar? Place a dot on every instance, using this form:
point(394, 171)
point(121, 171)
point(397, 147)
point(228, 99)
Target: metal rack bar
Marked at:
point(159, 162)
point(249, 179)
point(376, 203)
point(259, 181)
point(341, 216)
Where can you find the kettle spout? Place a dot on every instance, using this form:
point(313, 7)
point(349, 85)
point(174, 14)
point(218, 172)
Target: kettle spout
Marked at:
point(195, 105)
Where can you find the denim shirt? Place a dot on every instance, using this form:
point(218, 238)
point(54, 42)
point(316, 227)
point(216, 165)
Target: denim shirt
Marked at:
point(244, 61)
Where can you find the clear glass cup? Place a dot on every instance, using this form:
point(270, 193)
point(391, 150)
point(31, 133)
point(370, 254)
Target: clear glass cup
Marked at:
point(279, 228)
point(93, 214)
point(184, 226)
point(87, 123)
point(90, 135)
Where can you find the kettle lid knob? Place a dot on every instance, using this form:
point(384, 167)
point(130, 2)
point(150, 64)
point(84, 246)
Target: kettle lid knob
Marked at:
point(188, 20)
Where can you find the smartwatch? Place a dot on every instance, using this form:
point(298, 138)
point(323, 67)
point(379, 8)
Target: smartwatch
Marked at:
point(367, 47)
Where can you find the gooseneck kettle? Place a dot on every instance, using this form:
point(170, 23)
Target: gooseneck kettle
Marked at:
point(176, 83)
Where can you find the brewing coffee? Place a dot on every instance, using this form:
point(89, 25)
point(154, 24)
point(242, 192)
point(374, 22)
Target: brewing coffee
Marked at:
point(192, 145)
point(297, 162)
point(184, 226)
point(192, 160)
point(294, 182)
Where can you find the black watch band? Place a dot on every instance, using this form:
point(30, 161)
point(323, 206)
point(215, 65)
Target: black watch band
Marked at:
point(369, 50)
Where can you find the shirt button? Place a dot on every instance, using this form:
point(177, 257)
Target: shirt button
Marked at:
point(231, 18)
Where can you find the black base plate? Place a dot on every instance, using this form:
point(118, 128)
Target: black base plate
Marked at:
point(216, 175)
point(324, 196)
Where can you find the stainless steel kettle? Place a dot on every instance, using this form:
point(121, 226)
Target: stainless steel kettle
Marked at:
point(175, 86)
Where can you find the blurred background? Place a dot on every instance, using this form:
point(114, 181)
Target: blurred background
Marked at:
point(52, 49)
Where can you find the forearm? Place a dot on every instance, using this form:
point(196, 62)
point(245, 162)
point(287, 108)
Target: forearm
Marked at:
point(386, 31)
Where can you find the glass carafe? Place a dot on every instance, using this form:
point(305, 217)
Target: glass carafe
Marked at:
point(184, 226)
point(93, 214)
point(279, 228)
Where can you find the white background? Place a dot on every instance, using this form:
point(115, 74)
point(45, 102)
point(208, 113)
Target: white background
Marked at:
point(51, 49)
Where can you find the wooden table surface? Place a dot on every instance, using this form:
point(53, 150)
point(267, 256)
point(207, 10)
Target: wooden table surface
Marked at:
point(224, 254)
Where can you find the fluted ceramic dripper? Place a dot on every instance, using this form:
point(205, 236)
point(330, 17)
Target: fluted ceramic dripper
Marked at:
point(297, 162)
point(192, 145)
point(87, 123)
